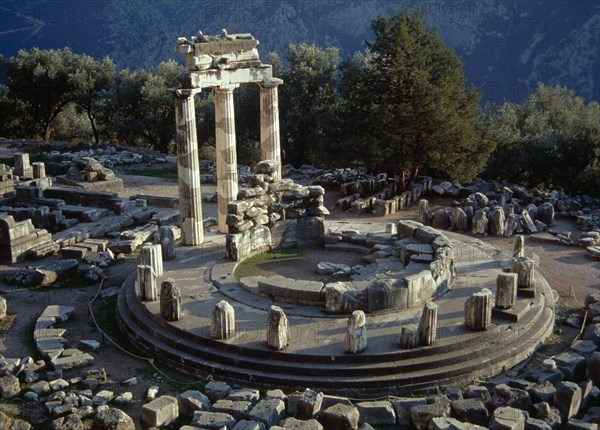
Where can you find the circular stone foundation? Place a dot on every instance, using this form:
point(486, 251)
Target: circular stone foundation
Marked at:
point(315, 354)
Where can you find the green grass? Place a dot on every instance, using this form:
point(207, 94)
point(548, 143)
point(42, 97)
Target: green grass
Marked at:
point(257, 264)
point(168, 173)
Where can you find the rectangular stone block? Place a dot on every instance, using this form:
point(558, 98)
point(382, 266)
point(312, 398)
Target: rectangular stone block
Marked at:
point(161, 411)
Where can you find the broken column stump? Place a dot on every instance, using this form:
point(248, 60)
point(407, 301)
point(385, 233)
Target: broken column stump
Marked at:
point(428, 325)
point(478, 310)
point(151, 255)
point(165, 237)
point(356, 333)
point(278, 334)
point(146, 283)
point(223, 321)
point(519, 246)
point(170, 300)
point(506, 290)
point(525, 269)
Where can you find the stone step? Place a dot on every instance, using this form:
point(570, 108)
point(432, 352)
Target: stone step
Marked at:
point(405, 368)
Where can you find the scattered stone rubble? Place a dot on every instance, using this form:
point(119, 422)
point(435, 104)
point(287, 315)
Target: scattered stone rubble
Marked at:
point(489, 207)
point(562, 392)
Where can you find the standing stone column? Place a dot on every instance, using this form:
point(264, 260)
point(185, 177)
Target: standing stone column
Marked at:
point(227, 179)
point(478, 310)
point(424, 212)
point(428, 324)
point(356, 333)
point(278, 334)
point(223, 321)
point(506, 290)
point(170, 300)
point(151, 255)
point(166, 239)
point(146, 283)
point(188, 168)
point(525, 268)
point(39, 170)
point(519, 246)
point(270, 146)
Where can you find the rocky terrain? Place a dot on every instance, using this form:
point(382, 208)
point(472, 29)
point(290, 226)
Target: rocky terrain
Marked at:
point(124, 390)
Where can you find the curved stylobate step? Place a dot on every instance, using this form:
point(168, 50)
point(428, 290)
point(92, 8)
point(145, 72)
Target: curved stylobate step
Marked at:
point(384, 373)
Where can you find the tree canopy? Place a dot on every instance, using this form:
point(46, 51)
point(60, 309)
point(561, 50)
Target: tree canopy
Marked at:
point(550, 140)
point(409, 103)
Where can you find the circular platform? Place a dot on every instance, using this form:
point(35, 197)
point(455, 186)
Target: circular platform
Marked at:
point(315, 355)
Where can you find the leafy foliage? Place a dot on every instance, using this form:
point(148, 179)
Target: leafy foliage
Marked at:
point(408, 105)
point(43, 83)
point(307, 99)
point(550, 140)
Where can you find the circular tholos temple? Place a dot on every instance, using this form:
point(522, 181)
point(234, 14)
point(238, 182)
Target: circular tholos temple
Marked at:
point(423, 310)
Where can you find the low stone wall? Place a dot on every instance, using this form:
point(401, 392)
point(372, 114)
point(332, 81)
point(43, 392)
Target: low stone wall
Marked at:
point(412, 267)
point(273, 213)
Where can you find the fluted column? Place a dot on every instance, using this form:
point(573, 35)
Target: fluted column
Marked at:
point(270, 144)
point(227, 179)
point(188, 168)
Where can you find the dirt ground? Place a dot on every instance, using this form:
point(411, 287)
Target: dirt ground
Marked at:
point(568, 270)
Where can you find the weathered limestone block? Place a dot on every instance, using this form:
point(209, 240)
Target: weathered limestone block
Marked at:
point(470, 410)
point(292, 423)
point(270, 412)
point(422, 414)
point(593, 368)
point(146, 283)
point(39, 170)
point(407, 228)
point(479, 223)
point(377, 412)
point(340, 417)
point(356, 333)
point(496, 221)
point(112, 418)
point(428, 325)
point(3, 307)
point(161, 411)
point(567, 399)
point(481, 200)
point(387, 294)
point(478, 310)
point(519, 246)
point(545, 213)
point(243, 245)
point(525, 269)
point(166, 238)
point(191, 401)
point(507, 418)
point(9, 386)
point(306, 404)
point(223, 321)
point(340, 298)
point(421, 287)
point(528, 222)
point(442, 219)
point(278, 334)
point(459, 220)
point(170, 300)
point(409, 338)
point(212, 420)
point(511, 224)
point(151, 255)
point(424, 212)
point(506, 290)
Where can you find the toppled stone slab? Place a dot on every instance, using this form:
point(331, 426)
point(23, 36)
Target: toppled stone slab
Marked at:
point(160, 411)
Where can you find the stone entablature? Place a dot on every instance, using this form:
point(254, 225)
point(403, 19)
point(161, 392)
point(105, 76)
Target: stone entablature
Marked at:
point(227, 51)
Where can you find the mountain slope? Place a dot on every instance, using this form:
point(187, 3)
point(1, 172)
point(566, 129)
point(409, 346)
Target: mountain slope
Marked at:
point(507, 46)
